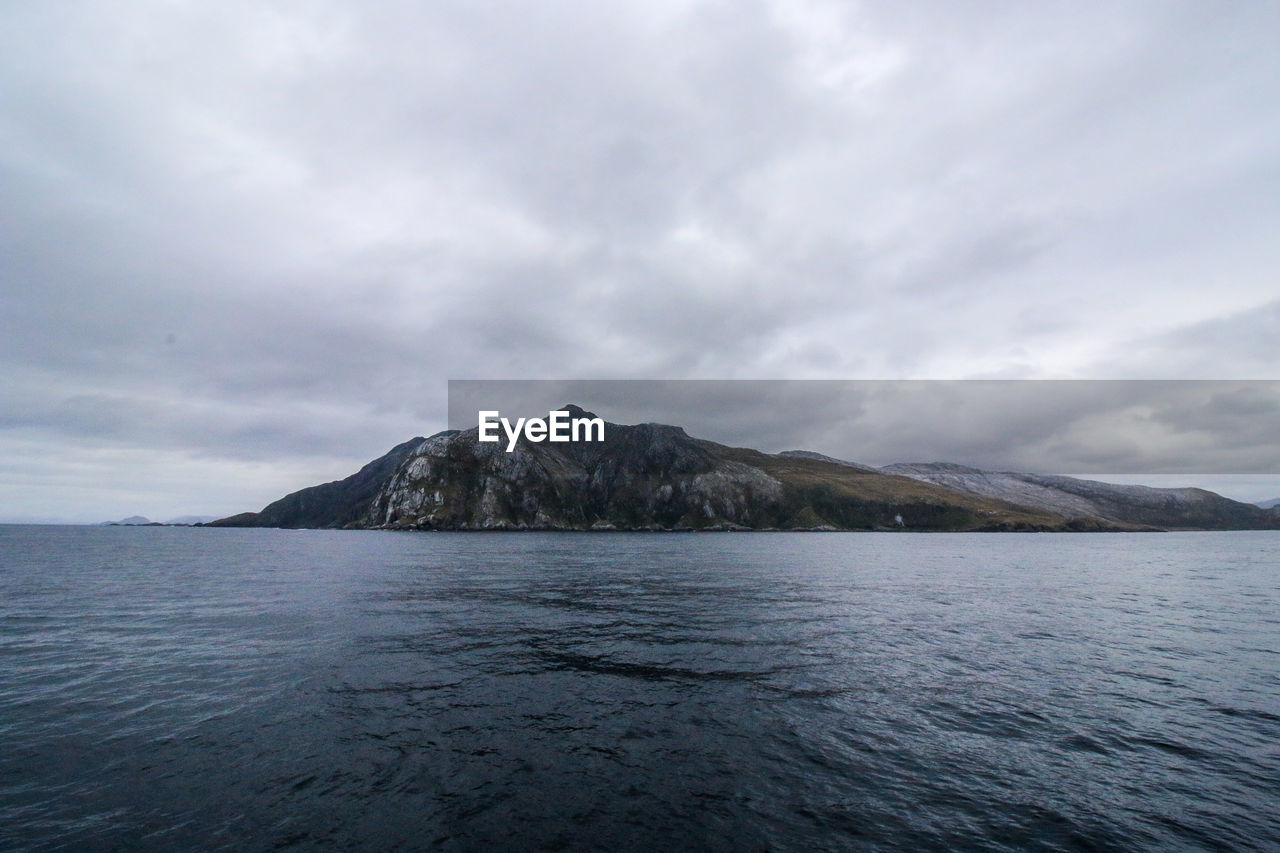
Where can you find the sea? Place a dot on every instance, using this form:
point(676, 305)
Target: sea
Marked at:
point(218, 689)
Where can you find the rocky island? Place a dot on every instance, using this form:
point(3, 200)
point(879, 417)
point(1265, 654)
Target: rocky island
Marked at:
point(657, 477)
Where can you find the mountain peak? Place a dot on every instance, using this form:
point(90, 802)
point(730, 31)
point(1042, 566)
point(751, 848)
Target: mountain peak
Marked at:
point(576, 411)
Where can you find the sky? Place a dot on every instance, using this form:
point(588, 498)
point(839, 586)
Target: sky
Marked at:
point(245, 245)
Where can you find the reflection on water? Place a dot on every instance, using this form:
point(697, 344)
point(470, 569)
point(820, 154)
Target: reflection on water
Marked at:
point(259, 688)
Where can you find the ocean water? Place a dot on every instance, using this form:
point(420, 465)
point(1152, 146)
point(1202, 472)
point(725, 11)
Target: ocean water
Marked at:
point(167, 688)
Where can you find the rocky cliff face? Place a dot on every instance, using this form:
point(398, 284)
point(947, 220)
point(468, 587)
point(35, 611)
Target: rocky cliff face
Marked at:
point(647, 476)
point(1075, 498)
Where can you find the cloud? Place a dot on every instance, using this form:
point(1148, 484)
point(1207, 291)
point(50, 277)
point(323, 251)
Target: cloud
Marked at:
point(1242, 345)
point(264, 230)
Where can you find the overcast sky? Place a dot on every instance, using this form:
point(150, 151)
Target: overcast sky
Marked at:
point(244, 245)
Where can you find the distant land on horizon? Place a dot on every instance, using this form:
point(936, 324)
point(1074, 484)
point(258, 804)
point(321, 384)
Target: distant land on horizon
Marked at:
point(143, 521)
point(657, 477)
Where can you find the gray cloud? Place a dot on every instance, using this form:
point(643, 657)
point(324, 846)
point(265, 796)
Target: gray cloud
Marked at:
point(260, 231)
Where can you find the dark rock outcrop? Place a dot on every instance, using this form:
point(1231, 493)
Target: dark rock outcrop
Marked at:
point(641, 476)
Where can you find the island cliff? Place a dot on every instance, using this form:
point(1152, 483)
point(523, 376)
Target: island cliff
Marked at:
point(657, 477)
